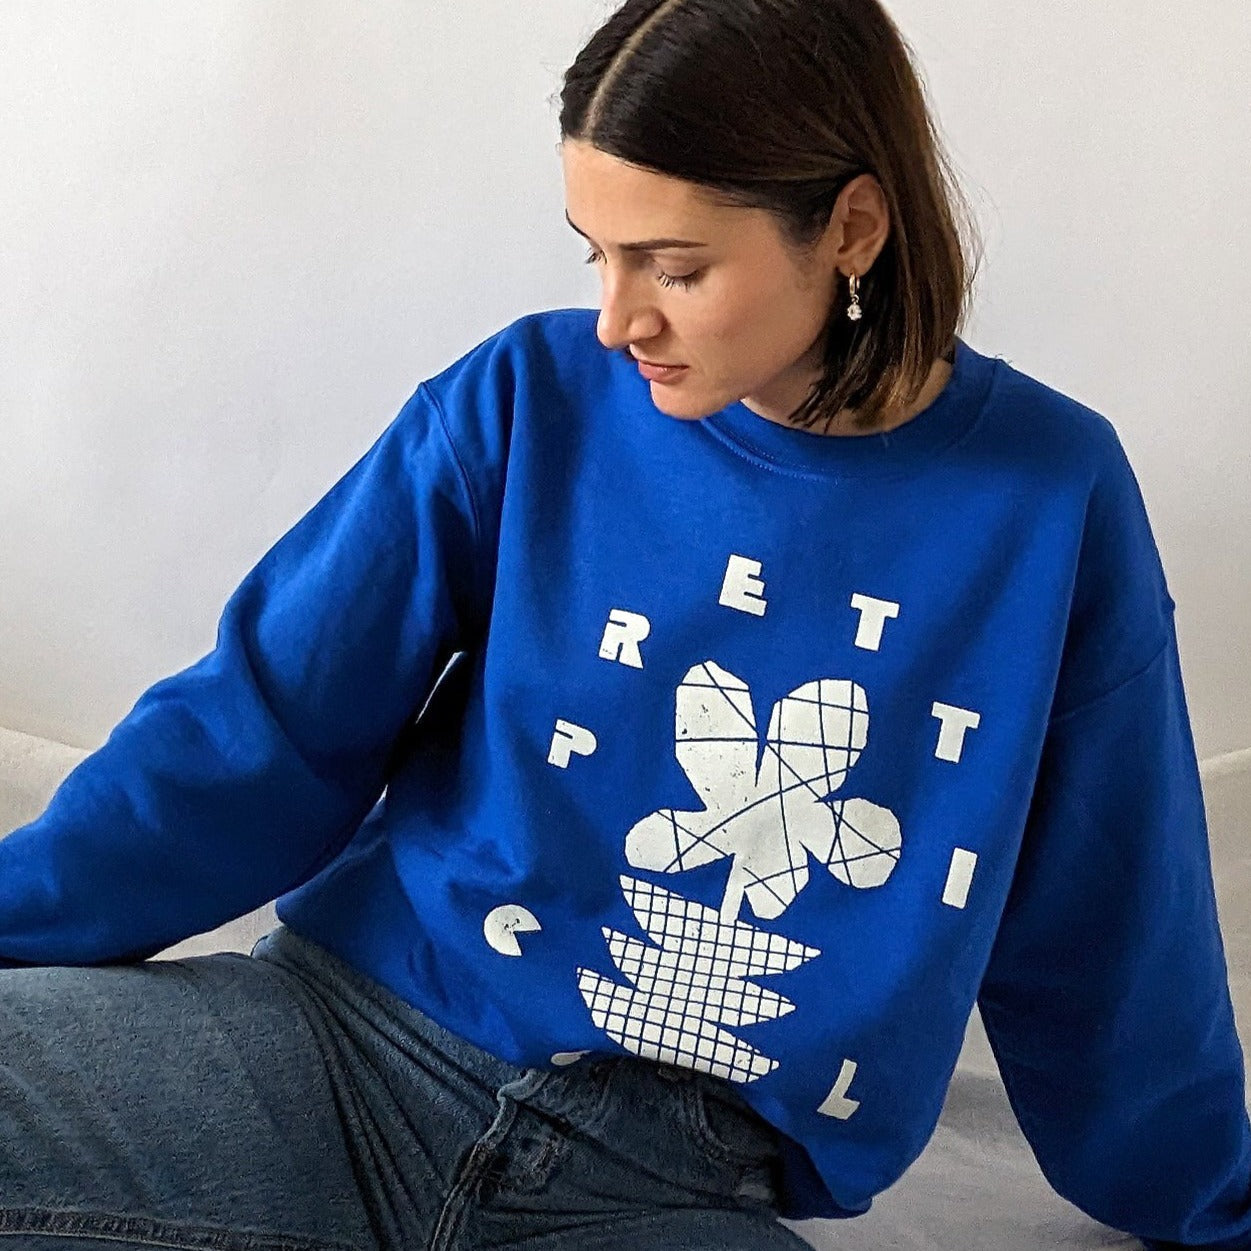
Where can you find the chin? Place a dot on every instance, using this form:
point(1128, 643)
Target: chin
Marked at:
point(681, 407)
point(681, 412)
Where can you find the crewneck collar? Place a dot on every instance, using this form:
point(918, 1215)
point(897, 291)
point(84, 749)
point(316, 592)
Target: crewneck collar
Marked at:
point(896, 452)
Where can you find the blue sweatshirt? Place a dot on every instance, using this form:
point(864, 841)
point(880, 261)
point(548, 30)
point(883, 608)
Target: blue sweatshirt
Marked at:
point(755, 751)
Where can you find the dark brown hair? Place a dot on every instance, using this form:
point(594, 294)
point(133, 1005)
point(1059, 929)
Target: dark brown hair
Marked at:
point(778, 105)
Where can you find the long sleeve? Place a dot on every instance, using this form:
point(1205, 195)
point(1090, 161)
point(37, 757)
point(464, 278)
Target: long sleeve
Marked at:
point(235, 780)
point(1106, 1000)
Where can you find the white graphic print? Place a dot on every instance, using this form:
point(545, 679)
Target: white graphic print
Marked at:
point(503, 924)
point(770, 817)
point(570, 740)
point(874, 614)
point(622, 636)
point(690, 984)
point(743, 589)
point(956, 722)
point(768, 814)
point(836, 1102)
point(959, 877)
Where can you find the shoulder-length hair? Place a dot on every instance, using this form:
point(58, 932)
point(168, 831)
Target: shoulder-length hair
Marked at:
point(778, 105)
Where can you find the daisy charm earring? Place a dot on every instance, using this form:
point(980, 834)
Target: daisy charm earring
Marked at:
point(855, 312)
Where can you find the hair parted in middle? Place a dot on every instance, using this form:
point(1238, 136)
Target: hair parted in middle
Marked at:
point(778, 105)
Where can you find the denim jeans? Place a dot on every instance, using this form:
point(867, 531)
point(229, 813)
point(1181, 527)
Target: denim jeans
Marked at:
point(283, 1101)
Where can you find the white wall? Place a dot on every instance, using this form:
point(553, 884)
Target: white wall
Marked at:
point(235, 237)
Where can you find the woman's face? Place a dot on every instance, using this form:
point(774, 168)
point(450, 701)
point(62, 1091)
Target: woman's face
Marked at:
point(750, 325)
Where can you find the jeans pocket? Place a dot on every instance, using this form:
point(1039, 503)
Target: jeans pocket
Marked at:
point(745, 1144)
point(525, 1160)
point(728, 1127)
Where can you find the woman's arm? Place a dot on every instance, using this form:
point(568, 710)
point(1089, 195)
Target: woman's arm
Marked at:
point(238, 778)
point(1106, 999)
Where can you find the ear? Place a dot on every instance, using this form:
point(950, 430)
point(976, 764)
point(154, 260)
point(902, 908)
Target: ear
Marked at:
point(859, 225)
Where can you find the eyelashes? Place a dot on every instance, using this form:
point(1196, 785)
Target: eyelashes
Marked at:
point(665, 280)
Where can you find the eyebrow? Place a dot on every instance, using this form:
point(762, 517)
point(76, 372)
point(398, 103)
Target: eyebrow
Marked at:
point(648, 245)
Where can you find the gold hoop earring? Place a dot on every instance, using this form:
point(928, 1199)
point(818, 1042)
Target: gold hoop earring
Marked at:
point(855, 312)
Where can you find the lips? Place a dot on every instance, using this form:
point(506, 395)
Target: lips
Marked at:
point(662, 376)
point(656, 364)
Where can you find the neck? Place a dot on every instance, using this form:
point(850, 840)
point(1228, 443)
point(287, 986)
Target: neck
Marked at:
point(841, 425)
point(935, 383)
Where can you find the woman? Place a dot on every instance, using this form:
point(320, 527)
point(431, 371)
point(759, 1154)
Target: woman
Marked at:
point(659, 741)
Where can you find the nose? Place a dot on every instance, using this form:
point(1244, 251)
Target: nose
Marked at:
point(624, 316)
